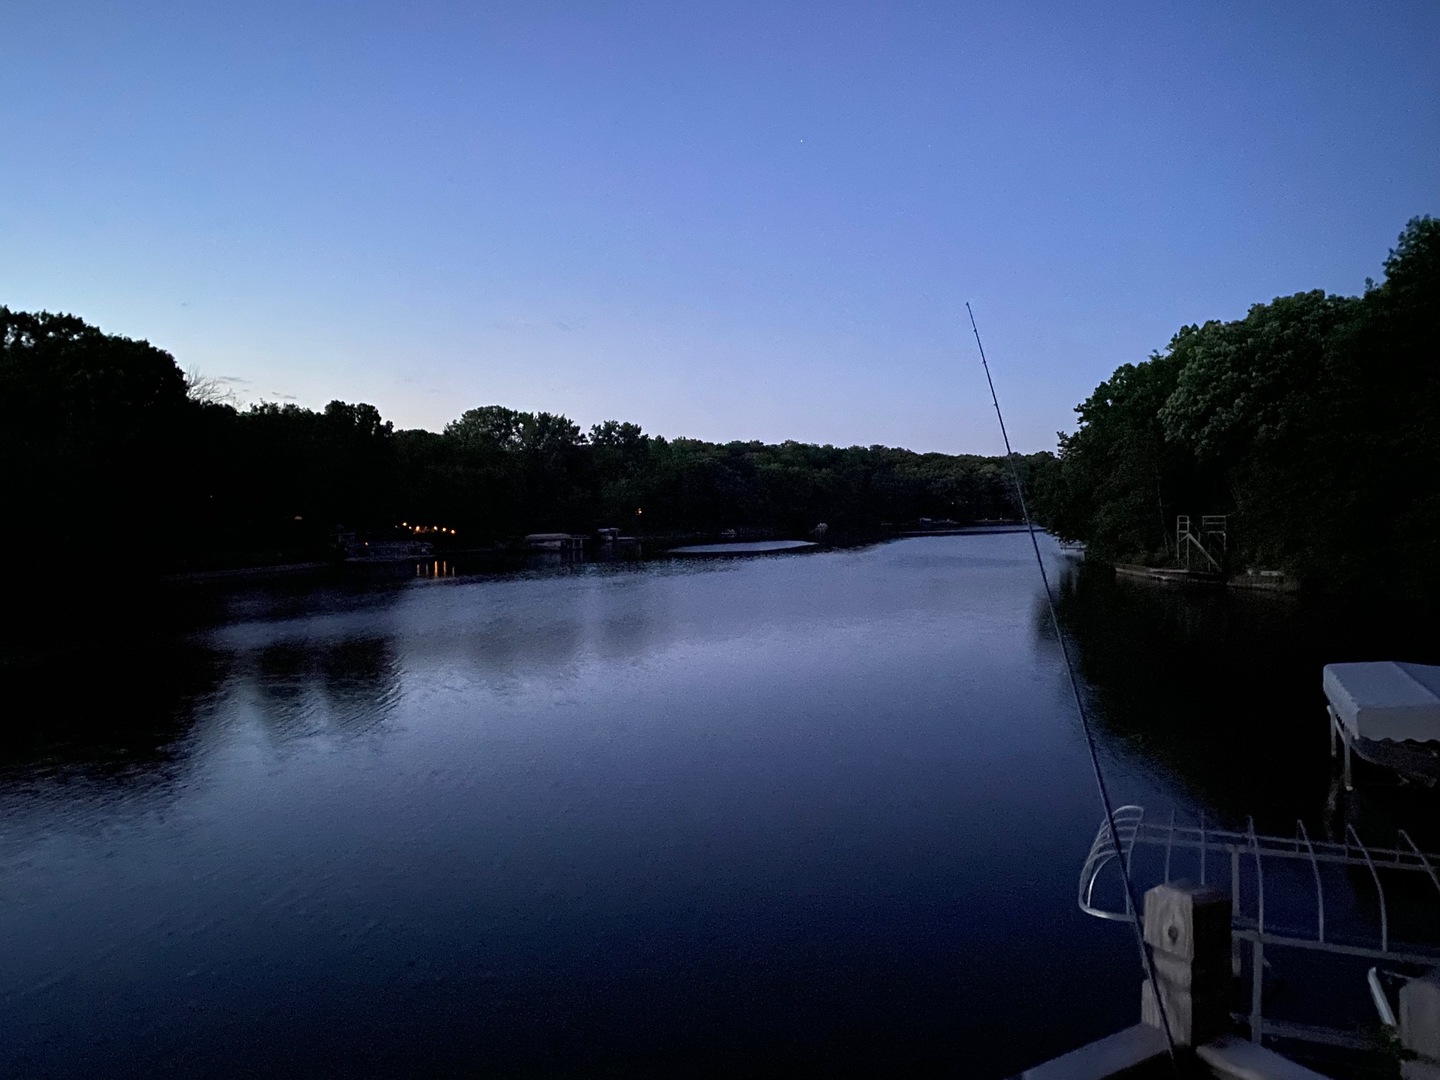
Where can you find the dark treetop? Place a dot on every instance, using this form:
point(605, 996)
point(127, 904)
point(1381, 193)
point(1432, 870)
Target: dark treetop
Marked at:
point(106, 447)
point(1314, 422)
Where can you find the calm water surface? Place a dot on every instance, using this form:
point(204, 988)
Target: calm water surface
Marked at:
point(799, 813)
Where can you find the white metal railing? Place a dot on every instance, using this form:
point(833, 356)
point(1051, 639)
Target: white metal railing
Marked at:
point(1219, 854)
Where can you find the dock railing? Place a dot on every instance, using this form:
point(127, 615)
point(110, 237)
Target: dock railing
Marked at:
point(1217, 856)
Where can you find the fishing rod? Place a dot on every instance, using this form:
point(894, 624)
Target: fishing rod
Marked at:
point(1147, 961)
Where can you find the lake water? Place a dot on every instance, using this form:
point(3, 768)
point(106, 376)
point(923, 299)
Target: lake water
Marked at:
point(800, 815)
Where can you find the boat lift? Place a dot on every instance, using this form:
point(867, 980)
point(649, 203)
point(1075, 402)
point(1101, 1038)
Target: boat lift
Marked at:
point(1169, 850)
point(1188, 539)
point(1387, 713)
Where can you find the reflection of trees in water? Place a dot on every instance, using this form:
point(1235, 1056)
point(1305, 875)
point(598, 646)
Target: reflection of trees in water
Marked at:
point(341, 686)
point(138, 716)
point(1221, 688)
point(615, 612)
point(510, 644)
point(106, 712)
point(629, 614)
point(360, 677)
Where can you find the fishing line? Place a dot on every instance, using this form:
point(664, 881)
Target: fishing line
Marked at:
point(1146, 960)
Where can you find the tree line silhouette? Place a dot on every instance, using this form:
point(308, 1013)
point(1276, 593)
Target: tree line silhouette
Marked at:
point(107, 449)
point(1313, 422)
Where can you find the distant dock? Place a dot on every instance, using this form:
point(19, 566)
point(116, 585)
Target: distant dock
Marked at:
point(1170, 576)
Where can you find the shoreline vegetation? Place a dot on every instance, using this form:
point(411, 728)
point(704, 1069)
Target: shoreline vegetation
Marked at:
point(108, 449)
point(1313, 425)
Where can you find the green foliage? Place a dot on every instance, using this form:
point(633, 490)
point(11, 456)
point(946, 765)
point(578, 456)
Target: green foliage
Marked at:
point(87, 421)
point(1116, 468)
point(1314, 422)
point(1241, 384)
point(107, 438)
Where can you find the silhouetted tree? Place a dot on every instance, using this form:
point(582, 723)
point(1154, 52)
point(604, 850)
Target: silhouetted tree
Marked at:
point(1314, 421)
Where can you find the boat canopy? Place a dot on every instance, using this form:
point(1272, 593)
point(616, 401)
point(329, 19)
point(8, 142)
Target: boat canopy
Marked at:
point(1386, 699)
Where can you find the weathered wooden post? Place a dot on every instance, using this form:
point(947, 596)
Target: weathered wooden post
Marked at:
point(1187, 927)
point(1420, 1027)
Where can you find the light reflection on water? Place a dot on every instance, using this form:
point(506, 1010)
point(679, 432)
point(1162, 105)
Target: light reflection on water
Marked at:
point(806, 813)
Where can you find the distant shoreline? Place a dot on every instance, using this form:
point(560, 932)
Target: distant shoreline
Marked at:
point(500, 557)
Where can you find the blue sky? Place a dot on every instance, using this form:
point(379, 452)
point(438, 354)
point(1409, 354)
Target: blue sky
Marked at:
point(726, 220)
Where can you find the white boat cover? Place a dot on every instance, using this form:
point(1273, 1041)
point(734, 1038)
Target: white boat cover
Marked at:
point(1386, 699)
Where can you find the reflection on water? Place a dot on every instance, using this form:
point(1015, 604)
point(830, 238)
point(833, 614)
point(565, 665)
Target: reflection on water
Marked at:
point(812, 815)
point(300, 689)
point(1219, 692)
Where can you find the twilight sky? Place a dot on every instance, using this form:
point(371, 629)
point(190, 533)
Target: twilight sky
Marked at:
point(725, 220)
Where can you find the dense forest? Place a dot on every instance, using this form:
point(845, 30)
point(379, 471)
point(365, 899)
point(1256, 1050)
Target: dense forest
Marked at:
point(1313, 422)
point(107, 449)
